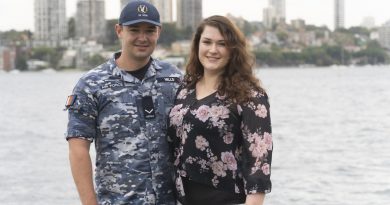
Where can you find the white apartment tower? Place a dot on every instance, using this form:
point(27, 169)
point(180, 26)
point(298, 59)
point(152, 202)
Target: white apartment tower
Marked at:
point(280, 9)
point(189, 13)
point(339, 12)
point(269, 15)
point(50, 22)
point(90, 20)
point(164, 7)
point(384, 35)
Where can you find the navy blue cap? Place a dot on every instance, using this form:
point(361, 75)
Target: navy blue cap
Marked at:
point(139, 11)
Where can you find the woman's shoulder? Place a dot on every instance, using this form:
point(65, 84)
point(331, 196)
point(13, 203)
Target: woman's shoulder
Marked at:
point(258, 94)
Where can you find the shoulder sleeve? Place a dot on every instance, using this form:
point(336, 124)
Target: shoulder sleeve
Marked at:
point(82, 112)
point(257, 143)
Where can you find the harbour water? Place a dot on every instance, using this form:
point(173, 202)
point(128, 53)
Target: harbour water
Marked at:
point(331, 131)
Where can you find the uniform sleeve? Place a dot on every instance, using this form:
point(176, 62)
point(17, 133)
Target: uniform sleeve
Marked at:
point(82, 113)
point(257, 143)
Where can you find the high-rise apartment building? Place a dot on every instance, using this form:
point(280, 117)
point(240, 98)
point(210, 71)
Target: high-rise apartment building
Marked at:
point(90, 20)
point(269, 15)
point(384, 35)
point(339, 12)
point(189, 13)
point(280, 9)
point(50, 22)
point(164, 7)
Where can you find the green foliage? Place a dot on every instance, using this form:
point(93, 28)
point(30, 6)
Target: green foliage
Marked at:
point(373, 54)
point(95, 60)
point(170, 33)
point(21, 62)
point(111, 37)
point(51, 55)
point(13, 36)
point(320, 56)
point(359, 30)
point(71, 28)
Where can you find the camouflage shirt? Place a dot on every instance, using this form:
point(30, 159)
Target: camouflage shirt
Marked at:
point(126, 117)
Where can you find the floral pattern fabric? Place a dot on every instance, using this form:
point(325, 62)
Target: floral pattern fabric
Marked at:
point(220, 143)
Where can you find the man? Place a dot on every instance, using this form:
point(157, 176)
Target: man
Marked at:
point(122, 105)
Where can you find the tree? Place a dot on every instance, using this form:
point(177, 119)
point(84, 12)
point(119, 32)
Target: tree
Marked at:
point(50, 55)
point(71, 28)
point(112, 38)
point(169, 34)
point(95, 60)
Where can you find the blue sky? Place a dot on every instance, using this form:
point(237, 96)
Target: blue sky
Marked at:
point(19, 14)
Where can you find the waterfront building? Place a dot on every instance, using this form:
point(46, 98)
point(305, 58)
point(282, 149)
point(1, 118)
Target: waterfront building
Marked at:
point(189, 14)
point(90, 20)
point(269, 15)
point(384, 35)
point(164, 7)
point(50, 22)
point(339, 14)
point(280, 9)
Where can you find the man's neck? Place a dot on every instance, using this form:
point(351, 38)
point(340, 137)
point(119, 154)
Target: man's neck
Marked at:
point(130, 64)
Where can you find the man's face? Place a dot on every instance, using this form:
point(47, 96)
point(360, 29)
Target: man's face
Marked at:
point(138, 40)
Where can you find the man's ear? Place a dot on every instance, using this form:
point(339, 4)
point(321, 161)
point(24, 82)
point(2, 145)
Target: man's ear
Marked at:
point(118, 30)
point(159, 29)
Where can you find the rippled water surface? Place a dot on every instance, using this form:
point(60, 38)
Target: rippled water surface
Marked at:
point(331, 130)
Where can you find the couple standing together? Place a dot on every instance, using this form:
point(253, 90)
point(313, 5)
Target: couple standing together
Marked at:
point(164, 138)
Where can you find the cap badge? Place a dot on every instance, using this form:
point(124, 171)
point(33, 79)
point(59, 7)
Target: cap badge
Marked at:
point(142, 9)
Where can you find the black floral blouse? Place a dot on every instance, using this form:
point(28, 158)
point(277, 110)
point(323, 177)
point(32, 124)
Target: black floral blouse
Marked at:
point(222, 144)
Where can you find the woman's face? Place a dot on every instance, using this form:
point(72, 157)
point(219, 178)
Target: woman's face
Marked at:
point(213, 51)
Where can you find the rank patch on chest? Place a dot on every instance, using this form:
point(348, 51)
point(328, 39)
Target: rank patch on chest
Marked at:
point(148, 107)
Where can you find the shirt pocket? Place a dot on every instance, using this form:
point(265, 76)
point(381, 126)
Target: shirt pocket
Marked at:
point(119, 116)
point(165, 99)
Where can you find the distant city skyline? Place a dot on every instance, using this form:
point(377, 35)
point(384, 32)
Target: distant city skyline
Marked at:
point(19, 14)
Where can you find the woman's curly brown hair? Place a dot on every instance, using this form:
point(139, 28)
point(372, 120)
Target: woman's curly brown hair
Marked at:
point(237, 78)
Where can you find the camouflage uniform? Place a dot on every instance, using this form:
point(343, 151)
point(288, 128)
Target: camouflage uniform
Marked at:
point(132, 165)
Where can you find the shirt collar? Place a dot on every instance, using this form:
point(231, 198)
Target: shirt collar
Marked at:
point(117, 72)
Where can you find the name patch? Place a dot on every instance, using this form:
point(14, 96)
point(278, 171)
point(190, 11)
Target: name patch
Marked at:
point(168, 80)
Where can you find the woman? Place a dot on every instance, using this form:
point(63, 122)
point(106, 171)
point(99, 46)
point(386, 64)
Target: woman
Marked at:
point(220, 124)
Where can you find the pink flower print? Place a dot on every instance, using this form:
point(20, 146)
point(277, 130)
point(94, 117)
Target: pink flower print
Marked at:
point(202, 113)
point(261, 111)
point(201, 143)
point(176, 162)
point(239, 109)
point(229, 159)
point(218, 169)
point(176, 114)
point(236, 189)
point(228, 138)
point(267, 137)
point(179, 186)
point(182, 94)
point(266, 169)
point(215, 181)
point(175, 109)
point(219, 112)
point(217, 123)
point(180, 133)
point(258, 147)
